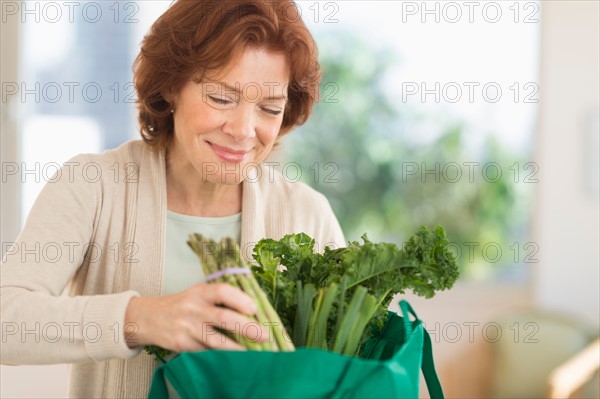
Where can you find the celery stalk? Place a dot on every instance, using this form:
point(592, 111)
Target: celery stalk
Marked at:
point(353, 312)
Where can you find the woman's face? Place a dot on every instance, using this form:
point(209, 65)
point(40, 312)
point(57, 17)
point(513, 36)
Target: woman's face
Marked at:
point(230, 119)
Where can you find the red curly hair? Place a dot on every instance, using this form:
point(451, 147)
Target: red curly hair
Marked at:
point(194, 36)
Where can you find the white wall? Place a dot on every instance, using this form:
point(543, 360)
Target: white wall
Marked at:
point(567, 217)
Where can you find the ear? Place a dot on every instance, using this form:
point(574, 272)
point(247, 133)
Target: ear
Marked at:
point(171, 97)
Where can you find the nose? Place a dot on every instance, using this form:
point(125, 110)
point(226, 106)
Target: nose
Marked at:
point(240, 123)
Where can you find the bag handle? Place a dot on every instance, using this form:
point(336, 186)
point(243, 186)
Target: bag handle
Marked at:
point(408, 325)
point(427, 366)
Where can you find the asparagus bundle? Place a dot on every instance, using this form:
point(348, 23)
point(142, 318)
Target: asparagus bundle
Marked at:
point(222, 262)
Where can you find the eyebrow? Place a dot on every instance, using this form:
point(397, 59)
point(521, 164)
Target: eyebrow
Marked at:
point(236, 90)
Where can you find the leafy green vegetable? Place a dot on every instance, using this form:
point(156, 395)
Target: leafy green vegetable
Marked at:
point(337, 299)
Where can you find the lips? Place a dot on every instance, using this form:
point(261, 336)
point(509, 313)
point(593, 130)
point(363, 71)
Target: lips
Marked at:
point(228, 154)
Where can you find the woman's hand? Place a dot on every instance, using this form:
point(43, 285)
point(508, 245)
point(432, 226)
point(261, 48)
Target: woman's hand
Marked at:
point(186, 321)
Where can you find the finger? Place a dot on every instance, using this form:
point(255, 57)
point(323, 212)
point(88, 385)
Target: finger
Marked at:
point(214, 339)
point(230, 320)
point(248, 328)
point(230, 296)
point(225, 318)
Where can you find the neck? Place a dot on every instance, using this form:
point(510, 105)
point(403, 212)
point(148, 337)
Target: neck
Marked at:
point(189, 194)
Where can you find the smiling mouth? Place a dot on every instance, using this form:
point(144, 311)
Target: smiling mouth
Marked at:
point(228, 154)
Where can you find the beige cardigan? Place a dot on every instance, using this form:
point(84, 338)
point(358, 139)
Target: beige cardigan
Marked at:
point(99, 225)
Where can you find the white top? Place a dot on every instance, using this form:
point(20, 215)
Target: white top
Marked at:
point(183, 267)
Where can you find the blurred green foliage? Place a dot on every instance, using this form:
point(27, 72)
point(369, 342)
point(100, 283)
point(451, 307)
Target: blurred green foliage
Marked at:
point(359, 149)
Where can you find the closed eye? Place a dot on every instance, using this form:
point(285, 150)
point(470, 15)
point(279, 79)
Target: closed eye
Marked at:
point(217, 100)
point(272, 111)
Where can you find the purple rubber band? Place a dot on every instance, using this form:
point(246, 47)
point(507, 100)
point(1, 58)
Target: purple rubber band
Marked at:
point(230, 270)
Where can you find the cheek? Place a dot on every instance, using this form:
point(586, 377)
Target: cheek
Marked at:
point(269, 134)
point(200, 121)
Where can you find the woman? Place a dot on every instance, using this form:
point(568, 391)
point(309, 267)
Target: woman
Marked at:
point(218, 83)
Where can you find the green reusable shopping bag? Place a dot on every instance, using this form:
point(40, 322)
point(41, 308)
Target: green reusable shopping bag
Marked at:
point(391, 369)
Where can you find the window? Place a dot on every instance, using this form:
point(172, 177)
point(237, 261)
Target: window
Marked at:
point(76, 93)
point(427, 116)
